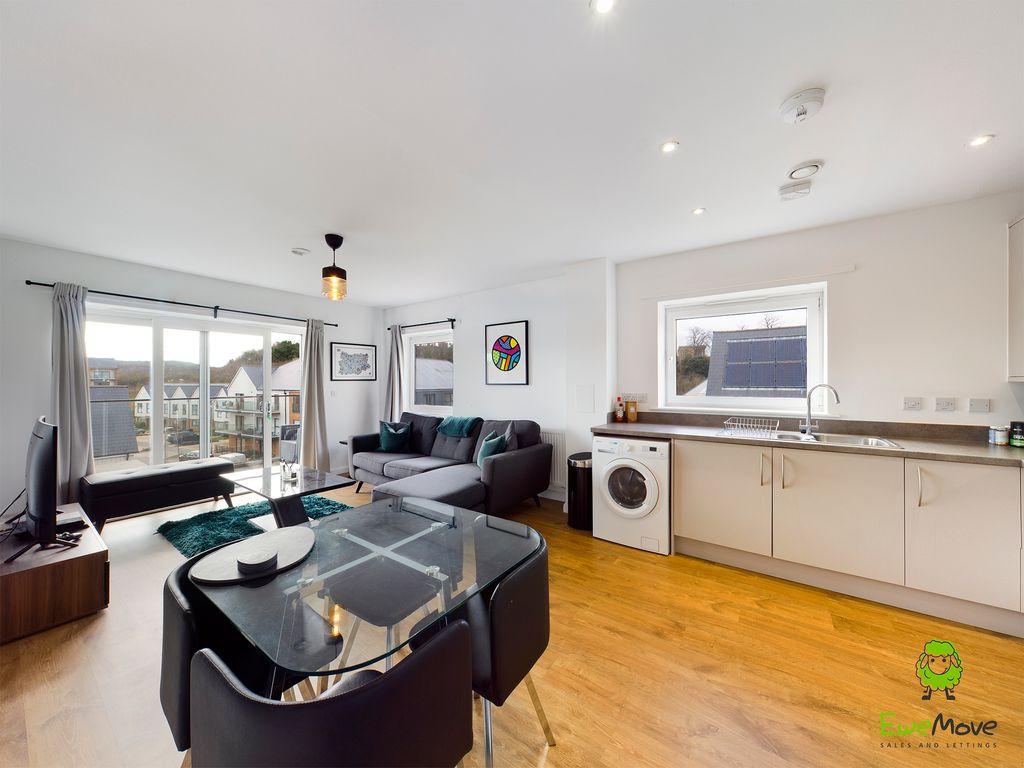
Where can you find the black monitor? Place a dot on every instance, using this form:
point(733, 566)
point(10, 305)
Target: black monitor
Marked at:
point(41, 483)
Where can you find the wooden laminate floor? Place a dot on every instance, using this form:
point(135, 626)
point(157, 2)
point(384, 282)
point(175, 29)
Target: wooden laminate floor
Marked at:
point(653, 661)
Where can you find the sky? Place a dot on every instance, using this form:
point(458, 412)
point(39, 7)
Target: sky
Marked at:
point(785, 317)
point(134, 342)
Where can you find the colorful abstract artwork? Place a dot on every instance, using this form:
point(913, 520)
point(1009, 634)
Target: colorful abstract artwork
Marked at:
point(506, 347)
point(506, 353)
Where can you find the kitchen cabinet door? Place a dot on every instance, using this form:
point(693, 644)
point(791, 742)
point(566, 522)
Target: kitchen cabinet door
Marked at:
point(722, 494)
point(840, 511)
point(1015, 328)
point(964, 531)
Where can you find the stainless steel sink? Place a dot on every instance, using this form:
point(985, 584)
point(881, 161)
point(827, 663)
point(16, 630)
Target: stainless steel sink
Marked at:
point(858, 440)
point(865, 442)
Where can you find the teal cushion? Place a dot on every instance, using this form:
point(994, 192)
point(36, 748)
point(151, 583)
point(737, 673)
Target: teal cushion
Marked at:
point(394, 437)
point(492, 445)
point(458, 426)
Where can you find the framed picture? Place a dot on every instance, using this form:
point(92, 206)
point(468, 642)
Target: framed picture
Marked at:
point(506, 347)
point(353, 362)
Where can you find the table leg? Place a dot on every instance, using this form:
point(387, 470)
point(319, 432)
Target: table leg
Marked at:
point(289, 511)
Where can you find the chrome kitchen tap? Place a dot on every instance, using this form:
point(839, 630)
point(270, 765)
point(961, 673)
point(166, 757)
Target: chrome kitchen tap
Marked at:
point(808, 427)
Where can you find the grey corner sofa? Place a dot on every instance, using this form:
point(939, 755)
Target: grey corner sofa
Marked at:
point(443, 468)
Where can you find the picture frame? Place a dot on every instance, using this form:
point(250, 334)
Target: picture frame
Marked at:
point(507, 353)
point(353, 362)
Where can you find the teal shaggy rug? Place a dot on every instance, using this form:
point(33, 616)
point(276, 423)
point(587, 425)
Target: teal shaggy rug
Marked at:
point(208, 529)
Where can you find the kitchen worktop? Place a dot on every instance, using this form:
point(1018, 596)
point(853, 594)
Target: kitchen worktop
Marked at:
point(910, 448)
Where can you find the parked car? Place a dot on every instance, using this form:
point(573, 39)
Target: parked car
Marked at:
point(184, 437)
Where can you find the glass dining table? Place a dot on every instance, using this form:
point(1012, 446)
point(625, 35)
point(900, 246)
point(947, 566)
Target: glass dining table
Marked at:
point(375, 573)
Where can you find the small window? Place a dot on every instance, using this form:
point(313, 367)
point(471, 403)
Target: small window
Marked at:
point(430, 365)
point(759, 350)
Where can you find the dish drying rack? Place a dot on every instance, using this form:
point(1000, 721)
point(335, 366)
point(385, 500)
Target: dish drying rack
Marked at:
point(750, 426)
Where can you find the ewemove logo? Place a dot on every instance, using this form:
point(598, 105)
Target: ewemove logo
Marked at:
point(938, 668)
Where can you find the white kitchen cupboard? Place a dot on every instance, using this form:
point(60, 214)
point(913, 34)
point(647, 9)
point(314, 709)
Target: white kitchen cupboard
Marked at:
point(964, 531)
point(1015, 317)
point(840, 511)
point(722, 494)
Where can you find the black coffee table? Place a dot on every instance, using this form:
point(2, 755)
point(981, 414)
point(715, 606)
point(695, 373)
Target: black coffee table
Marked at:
point(285, 496)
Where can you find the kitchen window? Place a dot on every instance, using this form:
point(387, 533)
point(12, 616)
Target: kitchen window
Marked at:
point(757, 350)
point(430, 363)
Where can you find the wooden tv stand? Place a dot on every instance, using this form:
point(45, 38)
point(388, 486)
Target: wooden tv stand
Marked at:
point(47, 587)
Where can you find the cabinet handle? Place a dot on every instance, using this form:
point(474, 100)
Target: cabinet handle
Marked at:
point(760, 469)
point(783, 457)
point(920, 488)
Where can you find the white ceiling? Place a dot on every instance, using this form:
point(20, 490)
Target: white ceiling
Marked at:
point(463, 144)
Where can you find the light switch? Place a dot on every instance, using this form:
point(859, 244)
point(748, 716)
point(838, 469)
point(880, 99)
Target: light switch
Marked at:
point(945, 403)
point(913, 403)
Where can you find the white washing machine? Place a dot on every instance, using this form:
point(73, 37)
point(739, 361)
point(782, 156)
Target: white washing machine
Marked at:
point(631, 494)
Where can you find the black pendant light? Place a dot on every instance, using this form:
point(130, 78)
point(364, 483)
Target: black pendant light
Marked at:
point(335, 280)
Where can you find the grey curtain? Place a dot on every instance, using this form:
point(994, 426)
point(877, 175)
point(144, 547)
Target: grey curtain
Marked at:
point(393, 405)
point(69, 390)
point(313, 449)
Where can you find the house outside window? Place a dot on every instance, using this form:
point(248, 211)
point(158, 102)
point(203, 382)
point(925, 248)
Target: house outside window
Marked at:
point(756, 350)
point(430, 362)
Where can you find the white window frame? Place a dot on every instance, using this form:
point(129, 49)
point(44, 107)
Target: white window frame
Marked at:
point(810, 297)
point(409, 341)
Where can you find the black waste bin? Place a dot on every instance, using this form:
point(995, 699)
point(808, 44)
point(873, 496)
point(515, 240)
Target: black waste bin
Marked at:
point(581, 507)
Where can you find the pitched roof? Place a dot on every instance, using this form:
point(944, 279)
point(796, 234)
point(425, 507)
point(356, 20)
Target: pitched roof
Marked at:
point(255, 374)
point(287, 376)
point(113, 427)
point(762, 362)
point(434, 374)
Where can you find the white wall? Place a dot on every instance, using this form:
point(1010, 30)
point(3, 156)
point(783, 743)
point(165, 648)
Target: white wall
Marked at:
point(352, 407)
point(590, 350)
point(542, 303)
point(923, 312)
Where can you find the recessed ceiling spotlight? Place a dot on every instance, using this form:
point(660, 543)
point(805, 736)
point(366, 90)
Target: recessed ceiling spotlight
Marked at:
point(806, 170)
point(300, 251)
point(980, 141)
point(794, 191)
point(802, 105)
point(699, 211)
point(669, 147)
point(602, 6)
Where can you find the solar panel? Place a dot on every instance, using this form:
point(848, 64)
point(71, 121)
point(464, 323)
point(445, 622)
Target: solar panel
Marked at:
point(791, 350)
point(737, 375)
point(738, 352)
point(762, 351)
point(791, 375)
point(762, 374)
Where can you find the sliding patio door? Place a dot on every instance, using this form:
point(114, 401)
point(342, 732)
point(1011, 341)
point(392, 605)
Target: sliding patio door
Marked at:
point(190, 389)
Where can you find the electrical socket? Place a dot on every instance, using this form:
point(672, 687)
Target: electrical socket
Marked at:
point(913, 403)
point(980, 405)
point(945, 403)
point(636, 397)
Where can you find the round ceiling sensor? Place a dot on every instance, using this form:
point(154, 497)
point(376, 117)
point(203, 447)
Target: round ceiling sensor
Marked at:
point(794, 191)
point(806, 170)
point(803, 105)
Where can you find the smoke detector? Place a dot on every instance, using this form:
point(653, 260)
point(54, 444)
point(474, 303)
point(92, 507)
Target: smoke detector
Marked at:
point(794, 191)
point(802, 105)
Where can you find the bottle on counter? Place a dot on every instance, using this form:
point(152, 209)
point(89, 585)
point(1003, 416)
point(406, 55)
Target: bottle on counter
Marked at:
point(620, 410)
point(1017, 434)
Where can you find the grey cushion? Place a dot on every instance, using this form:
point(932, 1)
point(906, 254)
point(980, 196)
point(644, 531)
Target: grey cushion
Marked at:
point(424, 430)
point(526, 433)
point(462, 449)
point(408, 467)
point(458, 484)
point(121, 481)
point(374, 461)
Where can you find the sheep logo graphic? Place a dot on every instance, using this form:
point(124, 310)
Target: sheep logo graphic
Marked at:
point(939, 669)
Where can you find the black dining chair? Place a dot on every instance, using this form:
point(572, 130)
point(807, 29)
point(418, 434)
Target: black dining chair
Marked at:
point(420, 713)
point(190, 623)
point(511, 627)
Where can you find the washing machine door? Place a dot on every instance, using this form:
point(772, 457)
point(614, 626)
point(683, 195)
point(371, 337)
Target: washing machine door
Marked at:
point(630, 488)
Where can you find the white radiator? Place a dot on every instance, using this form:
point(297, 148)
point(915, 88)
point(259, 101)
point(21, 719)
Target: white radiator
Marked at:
point(556, 439)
